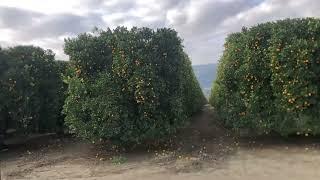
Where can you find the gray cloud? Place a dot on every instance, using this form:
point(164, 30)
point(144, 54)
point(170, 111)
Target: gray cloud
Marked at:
point(208, 16)
point(203, 24)
point(59, 25)
point(16, 18)
point(272, 10)
point(120, 6)
point(155, 22)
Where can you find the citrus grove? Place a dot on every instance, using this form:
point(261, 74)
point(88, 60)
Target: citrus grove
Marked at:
point(268, 78)
point(129, 86)
point(123, 86)
point(32, 90)
point(136, 86)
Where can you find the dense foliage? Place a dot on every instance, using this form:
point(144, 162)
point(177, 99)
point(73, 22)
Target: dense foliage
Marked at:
point(129, 86)
point(32, 90)
point(269, 78)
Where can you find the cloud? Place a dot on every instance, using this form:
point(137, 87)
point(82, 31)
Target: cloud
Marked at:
point(272, 10)
point(204, 16)
point(198, 23)
point(59, 25)
point(11, 18)
point(203, 24)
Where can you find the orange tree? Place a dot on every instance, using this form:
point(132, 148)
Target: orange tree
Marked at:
point(268, 78)
point(129, 86)
point(31, 90)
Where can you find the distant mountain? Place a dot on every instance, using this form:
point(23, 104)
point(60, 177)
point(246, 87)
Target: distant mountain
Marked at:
point(205, 74)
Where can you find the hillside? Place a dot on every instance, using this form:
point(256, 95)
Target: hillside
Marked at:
point(206, 74)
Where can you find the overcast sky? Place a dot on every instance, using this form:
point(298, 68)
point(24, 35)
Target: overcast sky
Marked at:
point(203, 24)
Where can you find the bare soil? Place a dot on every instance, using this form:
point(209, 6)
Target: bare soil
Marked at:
point(204, 150)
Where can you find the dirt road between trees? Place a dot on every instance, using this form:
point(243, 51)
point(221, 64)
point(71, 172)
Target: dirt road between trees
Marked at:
point(196, 154)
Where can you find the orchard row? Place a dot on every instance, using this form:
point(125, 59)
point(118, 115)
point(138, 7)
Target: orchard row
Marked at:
point(269, 78)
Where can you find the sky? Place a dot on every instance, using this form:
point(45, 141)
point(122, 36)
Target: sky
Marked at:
point(202, 24)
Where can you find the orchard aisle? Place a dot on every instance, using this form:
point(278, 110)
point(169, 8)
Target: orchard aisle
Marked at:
point(265, 164)
point(198, 155)
point(271, 163)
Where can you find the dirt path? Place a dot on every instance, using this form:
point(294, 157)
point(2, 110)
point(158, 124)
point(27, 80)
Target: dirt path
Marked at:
point(266, 163)
point(198, 154)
